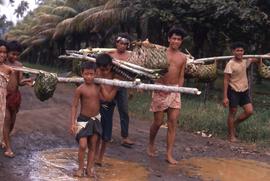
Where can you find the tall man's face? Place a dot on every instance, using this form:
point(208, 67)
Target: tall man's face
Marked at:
point(175, 41)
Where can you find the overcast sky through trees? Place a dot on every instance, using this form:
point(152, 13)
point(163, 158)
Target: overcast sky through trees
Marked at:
point(8, 9)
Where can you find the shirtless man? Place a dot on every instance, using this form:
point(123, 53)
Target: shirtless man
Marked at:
point(169, 103)
point(121, 98)
point(13, 99)
point(5, 72)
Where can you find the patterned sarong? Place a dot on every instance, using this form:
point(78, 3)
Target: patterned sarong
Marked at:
point(87, 126)
point(3, 93)
point(161, 101)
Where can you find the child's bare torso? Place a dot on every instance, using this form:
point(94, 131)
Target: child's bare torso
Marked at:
point(90, 99)
point(14, 79)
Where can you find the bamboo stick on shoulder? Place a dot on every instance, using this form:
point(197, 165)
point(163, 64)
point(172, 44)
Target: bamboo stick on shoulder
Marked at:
point(127, 84)
point(229, 57)
point(134, 85)
point(133, 69)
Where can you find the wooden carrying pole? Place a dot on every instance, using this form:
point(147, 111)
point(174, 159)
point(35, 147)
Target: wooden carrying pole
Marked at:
point(228, 57)
point(127, 84)
point(134, 85)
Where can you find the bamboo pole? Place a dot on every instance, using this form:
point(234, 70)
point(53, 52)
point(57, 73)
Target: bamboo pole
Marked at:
point(134, 85)
point(127, 84)
point(117, 63)
point(228, 57)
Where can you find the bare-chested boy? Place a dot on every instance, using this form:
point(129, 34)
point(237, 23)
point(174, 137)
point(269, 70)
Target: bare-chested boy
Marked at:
point(104, 68)
point(13, 99)
point(88, 127)
point(5, 72)
point(122, 43)
point(169, 103)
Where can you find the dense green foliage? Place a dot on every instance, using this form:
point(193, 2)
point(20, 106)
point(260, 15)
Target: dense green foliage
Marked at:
point(73, 24)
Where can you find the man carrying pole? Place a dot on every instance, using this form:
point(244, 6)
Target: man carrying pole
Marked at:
point(169, 103)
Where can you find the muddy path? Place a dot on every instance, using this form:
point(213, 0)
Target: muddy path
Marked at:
point(45, 150)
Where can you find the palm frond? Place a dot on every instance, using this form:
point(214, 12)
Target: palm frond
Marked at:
point(111, 4)
point(47, 33)
point(64, 11)
point(39, 41)
point(63, 28)
point(48, 18)
point(26, 51)
point(22, 38)
point(76, 23)
point(106, 18)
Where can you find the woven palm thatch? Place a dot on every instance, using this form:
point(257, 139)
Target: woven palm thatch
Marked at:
point(45, 85)
point(149, 55)
point(264, 70)
point(202, 72)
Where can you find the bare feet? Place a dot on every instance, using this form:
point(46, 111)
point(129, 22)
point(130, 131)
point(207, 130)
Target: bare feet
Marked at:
point(127, 141)
point(90, 173)
point(233, 139)
point(151, 151)
point(79, 173)
point(9, 154)
point(171, 160)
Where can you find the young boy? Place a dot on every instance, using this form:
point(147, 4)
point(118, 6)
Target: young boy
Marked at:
point(168, 103)
point(5, 71)
point(236, 89)
point(104, 66)
point(13, 99)
point(88, 127)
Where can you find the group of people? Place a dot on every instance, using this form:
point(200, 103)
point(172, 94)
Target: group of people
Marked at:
point(10, 97)
point(93, 126)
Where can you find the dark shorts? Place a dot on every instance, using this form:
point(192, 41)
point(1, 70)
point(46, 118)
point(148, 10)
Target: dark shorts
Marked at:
point(106, 112)
point(238, 98)
point(93, 126)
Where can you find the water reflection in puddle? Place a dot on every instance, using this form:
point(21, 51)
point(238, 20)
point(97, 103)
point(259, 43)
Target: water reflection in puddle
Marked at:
point(209, 169)
point(59, 164)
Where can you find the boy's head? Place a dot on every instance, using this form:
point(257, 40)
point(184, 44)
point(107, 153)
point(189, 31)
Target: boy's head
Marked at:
point(14, 50)
point(3, 51)
point(88, 71)
point(122, 42)
point(104, 63)
point(175, 37)
point(238, 49)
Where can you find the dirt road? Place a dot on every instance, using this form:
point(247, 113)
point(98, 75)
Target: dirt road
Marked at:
point(41, 138)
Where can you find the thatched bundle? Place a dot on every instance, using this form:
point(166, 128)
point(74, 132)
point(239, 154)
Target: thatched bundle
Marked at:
point(149, 55)
point(264, 70)
point(202, 72)
point(45, 85)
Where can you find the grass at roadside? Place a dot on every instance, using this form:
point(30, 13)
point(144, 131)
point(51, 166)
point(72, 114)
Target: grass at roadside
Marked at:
point(211, 116)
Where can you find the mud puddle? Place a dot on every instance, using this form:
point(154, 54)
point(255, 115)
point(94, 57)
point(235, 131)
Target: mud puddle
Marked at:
point(209, 169)
point(60, 164)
